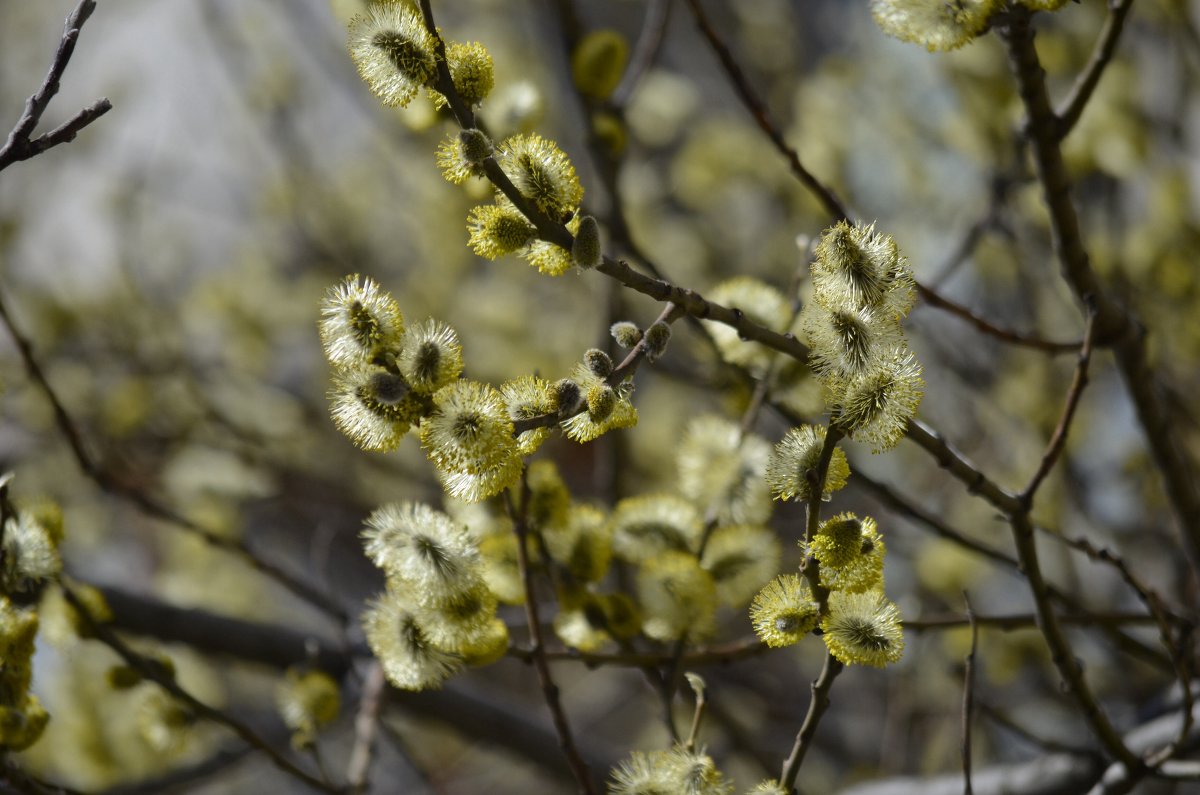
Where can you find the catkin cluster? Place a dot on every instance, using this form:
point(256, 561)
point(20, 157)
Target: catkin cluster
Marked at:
point(29, 561)
point(688, 551)
point(939, 25)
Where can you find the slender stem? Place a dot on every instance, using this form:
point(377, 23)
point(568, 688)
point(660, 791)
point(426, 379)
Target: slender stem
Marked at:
point(968, 697)
point(550, 690)
point(934, 299)
point(155, 673)
point(758, 109)
point(366, 725)
point(816, 708)
point(1060, 649)
point(1114, 326)
point(810, 568)
point(654, 29)
point(145, 503)
point(1106, 46)
point(1058, 439)
point(19, 145)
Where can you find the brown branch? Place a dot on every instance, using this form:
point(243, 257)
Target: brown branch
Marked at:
point(758, 109)
point(154, 672)
point(1106, 46)
point(934, 299)
point(961, 468)
point(550, 690)
point(1061, 653)
point(149, 506)
point(816, 708)
point(654, 29)
point(366, 724)
point(1058, 439)
point(968, 703)
point(19, 145)
point(470, 713)
point(1163, 619)
point(1114, 326)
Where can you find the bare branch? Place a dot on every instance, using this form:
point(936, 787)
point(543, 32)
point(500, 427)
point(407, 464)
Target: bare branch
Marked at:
point(153, 672)
point(583, 778)
point(968, 703)
point(1114, 326)
point(1106, 46)
point(816, 708)
point(934, 299)
point(19, 145)
point(1059, 438)
point(758, 109)
point(145, 503)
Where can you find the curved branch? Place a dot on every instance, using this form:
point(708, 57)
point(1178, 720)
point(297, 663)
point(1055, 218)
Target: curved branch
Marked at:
point(1106, 46)
point(758, 109)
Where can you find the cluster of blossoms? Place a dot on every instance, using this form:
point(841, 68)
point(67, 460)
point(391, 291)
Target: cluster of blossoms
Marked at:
point(690, 551)
point(859, 624)
point(862, 288)
point(437, 613)
point(939, 25)
point(396, 56)
point(394, 53)
point(389, 379)
point(29, 561)
point(545, 177)
point(677, 770)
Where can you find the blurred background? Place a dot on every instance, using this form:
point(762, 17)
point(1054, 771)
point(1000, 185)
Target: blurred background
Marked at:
point(168, 264)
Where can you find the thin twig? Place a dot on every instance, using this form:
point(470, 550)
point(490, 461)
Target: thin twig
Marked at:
point(1052, 746)
point(19, 145)
point(143, 502)
point(654, 29)
point(1163, 619)
point(1061, 652)
point(934, 299)
point(366, 725)
point(810, 568)
point(627, 367)
point(816, 708)
point(968, 704)
point(155, 673)
point(1114, 325)
point(1106, 46)
point(1059, 438)
point(579, 768)
point(758, 109)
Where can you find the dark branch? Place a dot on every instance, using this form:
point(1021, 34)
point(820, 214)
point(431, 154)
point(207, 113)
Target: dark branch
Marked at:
point(19, 145)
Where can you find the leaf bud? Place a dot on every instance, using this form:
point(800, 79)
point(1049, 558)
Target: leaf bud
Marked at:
point(475, 146)
point(567, 396)
point(657, 337)
point(599, 362)
point(598, 63)
point(626, 334)
point(585, 251)
point(601, 400)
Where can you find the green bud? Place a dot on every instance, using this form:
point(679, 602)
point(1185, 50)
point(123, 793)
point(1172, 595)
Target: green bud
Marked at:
point(475, 145)
point(657, 337)
point(585, 251)
point(601, 400)
point(567, 396)
point(598, 63)
point(626, 334)
point(599, 362)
